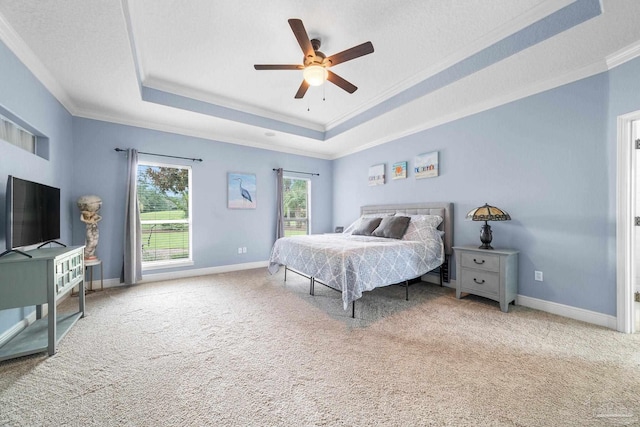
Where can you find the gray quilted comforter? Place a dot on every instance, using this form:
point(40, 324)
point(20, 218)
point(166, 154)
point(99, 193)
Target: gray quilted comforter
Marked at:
point(354, 264)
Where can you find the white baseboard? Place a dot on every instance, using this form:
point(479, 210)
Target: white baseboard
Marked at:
point(538, 304)
point(575, 313)
point(550, 307)
point(157, 277)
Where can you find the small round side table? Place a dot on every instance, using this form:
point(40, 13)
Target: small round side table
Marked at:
point(92, 263)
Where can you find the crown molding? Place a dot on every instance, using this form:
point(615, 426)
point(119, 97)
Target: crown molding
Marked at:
point(20, 49)
point(178, 130)
point(623, 55)
point(172, 88)
point(147, 80)
point(534, 15)
point(18, 46)
point(530, 90)
point(533, 89)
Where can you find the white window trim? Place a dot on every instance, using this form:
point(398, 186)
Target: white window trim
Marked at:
point(183, 262)
point(308, 198)
point(159, 265)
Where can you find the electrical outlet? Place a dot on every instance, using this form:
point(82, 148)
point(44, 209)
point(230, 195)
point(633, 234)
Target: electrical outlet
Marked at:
point(244, 250)
point(239, 250)
point(538, 276)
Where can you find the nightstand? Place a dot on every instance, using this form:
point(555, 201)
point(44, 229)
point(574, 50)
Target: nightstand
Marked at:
point(491, 274)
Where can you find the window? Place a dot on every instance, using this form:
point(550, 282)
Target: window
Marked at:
point(14, 134)
point(296, 197)
point(164, 198)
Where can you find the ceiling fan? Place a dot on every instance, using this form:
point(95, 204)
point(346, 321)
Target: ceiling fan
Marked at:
point(315, 64)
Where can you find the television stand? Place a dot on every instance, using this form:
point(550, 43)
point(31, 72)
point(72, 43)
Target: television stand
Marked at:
point(16, 251)
point(44, 278)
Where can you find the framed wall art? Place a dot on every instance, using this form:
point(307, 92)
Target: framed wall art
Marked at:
point(399, 170)
point(376, 175)
point(426, 165)
point(241, 190)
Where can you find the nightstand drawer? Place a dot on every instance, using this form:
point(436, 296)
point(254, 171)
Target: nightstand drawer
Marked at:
point(480, 281)
point(491, 274)
point(488, 262)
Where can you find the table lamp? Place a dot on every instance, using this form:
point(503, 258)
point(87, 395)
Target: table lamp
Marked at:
point(487, 213)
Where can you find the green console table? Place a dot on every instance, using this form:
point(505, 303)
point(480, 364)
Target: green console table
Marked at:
point(46, 277)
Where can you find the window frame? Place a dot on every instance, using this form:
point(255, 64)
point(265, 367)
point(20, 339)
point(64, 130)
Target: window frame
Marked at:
point(33, 144)
point(180, 262)
point(308, 180)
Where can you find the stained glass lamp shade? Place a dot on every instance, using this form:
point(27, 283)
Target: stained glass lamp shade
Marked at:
point(487, 213)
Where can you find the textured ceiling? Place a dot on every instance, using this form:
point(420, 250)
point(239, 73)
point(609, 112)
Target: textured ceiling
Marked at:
point(187, 67)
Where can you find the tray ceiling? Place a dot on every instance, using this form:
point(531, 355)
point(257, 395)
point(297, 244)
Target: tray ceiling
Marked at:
point(187, 67)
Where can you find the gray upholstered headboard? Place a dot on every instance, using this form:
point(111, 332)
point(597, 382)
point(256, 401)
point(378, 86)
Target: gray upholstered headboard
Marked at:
point(445, 210)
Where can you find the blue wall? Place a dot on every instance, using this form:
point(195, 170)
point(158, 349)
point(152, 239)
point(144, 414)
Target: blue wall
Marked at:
point(82, 161)
point(218, 231)
point(549, 160)
point(23, 97)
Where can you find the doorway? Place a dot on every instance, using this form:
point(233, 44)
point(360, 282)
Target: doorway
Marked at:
point(635, 138)
point(627, 234)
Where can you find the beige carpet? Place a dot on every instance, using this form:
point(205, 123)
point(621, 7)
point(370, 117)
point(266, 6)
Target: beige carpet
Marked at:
point(244, 349)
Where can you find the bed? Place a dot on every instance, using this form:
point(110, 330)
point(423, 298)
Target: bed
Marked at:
point(353, 264)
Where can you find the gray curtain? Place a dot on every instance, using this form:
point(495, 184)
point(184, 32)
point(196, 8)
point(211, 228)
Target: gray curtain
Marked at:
point(132, 266)
point(279, 204)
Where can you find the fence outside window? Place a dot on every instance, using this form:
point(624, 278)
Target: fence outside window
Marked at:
point(165, 212)
point(296, 197)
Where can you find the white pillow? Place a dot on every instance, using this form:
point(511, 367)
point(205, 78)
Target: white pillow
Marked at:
point(422, 228)
point(433, 220)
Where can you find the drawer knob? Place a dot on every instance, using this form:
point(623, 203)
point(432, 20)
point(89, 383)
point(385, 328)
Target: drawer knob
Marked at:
point(478, 282)
point(476, 261)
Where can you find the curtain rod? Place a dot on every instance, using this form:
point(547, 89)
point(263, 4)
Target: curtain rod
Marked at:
point(304, 173)
point(163, 155)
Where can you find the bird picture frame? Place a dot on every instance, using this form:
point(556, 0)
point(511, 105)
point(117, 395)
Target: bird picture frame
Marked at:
point(241, 190)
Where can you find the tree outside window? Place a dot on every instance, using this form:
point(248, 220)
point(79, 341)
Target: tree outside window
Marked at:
point(165, 213)
point(296, 206)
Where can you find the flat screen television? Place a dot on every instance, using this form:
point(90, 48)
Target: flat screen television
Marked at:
point(33, 213)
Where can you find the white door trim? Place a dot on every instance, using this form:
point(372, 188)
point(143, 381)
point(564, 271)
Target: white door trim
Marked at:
point(625, 231)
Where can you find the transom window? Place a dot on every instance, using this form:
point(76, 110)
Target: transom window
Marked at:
point(14, 134)
point(164, 198)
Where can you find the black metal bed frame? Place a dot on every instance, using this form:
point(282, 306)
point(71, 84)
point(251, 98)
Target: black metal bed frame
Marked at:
point(445, 209)
point(443, 272)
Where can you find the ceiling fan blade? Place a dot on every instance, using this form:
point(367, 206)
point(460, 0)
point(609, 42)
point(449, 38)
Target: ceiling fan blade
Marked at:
point(340, 82)
point(302, 90)
point(278, 67)
point(301, 35)
point(349, 54)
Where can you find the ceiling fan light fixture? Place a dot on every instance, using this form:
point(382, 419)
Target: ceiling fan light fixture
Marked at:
point(315, 63)
point(315, 75)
